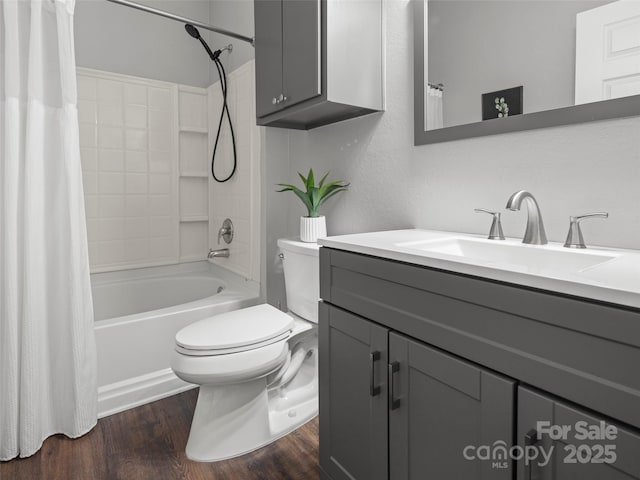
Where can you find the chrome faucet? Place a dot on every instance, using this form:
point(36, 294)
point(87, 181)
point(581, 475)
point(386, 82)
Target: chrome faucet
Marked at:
point(220, 253)
point(496, 227)
point(574, 237)
point(534, 234)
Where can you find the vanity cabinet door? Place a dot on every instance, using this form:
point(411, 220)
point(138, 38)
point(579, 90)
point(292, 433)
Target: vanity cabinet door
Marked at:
point(562, 429)
point(353, 396)
point(439, 405)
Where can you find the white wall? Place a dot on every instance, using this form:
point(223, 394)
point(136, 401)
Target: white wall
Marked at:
point(120, 39)
point(570, 170)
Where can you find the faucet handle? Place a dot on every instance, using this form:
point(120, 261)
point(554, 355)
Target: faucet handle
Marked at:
point(574, 237)
point(495, 233)
point(226, 231)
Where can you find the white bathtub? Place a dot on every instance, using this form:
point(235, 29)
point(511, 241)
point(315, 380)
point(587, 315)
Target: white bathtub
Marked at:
point(138, 313)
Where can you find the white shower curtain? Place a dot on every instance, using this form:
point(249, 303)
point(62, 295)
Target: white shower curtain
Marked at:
point(434, 108)
point(47, 345)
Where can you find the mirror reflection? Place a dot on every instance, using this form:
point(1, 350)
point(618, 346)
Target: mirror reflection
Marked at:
point(495, 59)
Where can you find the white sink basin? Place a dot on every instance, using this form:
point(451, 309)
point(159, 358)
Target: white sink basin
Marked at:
point(528, 258)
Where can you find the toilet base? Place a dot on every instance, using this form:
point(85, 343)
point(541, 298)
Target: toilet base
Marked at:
point(228, 421)
point(232, 420)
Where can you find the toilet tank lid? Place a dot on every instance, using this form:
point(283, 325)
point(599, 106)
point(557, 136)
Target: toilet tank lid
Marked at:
point(243, 327)
point(295, 245)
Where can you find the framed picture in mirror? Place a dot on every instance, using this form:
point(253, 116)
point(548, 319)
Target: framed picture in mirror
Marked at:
point(502, 103)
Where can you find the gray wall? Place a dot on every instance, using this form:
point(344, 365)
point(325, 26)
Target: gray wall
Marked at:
point(570, 170)
point(119, 39)
point(477, 47)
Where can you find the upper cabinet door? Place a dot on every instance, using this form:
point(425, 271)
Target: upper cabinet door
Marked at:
point(441, 407)
point(301, 44)
point(353, 396)
point(573, 443)
point(268, 44)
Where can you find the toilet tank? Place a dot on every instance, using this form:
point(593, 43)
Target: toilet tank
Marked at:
point(301, 277)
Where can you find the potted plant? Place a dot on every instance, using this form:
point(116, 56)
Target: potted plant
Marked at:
point(313, 225)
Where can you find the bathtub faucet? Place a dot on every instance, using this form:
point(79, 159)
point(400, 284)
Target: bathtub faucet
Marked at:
point(221, 252)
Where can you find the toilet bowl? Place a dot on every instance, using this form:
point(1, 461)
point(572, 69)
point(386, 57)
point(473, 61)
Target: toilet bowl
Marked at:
point(257, 367)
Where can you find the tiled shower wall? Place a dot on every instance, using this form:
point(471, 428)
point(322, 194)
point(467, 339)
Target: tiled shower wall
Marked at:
point(239, 198)
point(132, 141)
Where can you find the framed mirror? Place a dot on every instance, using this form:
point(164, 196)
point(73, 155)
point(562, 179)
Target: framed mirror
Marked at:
point(483, 67)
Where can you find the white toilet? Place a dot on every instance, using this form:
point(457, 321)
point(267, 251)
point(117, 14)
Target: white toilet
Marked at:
point(257, 367)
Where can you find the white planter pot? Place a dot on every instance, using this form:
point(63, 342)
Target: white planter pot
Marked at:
point(312, 228)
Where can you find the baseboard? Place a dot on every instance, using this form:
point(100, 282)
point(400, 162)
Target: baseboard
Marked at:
point(137, 391)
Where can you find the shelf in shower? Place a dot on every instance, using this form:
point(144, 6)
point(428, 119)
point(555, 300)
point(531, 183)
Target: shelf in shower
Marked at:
point(194, 174)
point(194, 129)
point(194, 218)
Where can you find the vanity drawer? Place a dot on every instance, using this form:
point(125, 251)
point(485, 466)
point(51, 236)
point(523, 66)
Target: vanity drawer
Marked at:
point(581, 350)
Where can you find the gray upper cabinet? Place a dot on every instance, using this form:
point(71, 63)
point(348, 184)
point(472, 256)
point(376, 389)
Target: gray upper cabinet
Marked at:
point(287, 53)
point(317, 61)
point(268, 55)
point(301, 59)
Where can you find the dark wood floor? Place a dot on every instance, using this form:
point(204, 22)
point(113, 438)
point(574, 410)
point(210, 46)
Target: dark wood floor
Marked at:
point(148, 443)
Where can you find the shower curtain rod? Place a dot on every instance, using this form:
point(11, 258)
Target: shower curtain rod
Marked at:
point(185, 20)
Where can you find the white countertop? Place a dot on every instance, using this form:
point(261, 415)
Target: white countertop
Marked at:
point(616, 280)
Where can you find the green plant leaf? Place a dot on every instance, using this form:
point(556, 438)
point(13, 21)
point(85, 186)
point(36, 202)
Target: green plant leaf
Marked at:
point(287, 187)
point(304, 180)
point(300, 194)
point(329, 187)
point(310, 180)
point(314, 195)
point(323, 179)
point(334, 192)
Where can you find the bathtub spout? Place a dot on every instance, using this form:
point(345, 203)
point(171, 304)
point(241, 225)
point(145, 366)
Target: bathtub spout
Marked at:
point(220, 253)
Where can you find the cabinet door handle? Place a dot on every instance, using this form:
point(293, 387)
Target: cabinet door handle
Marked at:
point(530, 438)
point(373, 388)
point(393, 402)
point(274, 101)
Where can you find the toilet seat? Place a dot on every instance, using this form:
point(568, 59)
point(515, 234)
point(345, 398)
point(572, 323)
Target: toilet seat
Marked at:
point(235, 332)
point(228, 369)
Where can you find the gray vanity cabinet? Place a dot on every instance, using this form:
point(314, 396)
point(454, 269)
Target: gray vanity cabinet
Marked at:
point(391, 407)
point(353, 397)
point(571, 453)
point(459, 361)
point(442, 405)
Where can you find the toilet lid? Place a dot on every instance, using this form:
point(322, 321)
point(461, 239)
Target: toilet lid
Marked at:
point(235, 331)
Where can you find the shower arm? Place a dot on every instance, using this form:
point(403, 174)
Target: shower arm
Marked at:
point(184, 20)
